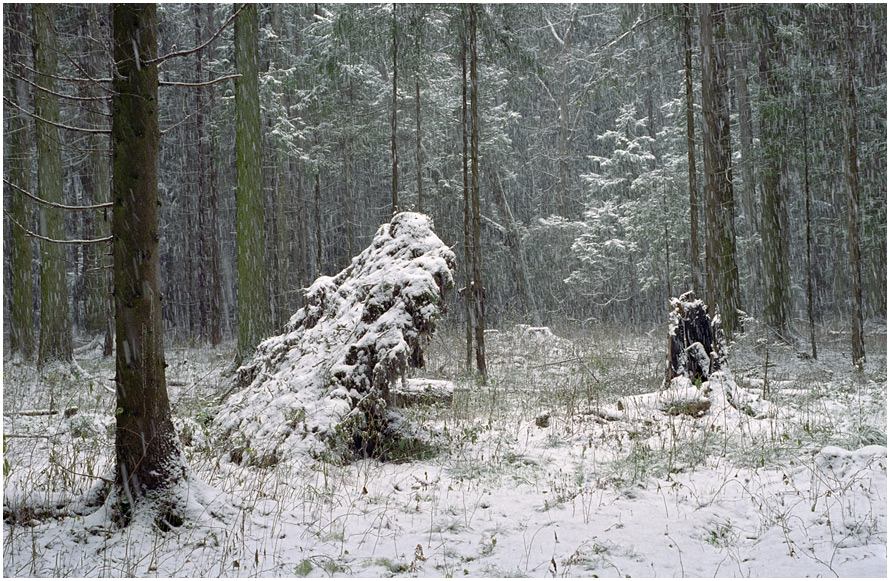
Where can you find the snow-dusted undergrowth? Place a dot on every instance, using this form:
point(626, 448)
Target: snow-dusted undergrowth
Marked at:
point(534, 479)
point(325, 381)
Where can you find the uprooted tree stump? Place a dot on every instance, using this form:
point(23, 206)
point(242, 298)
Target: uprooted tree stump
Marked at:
point(698, 381)
point(696, 345)
point(323, 386)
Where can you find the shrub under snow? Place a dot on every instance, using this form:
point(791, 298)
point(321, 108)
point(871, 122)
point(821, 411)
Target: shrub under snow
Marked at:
point(324, 383)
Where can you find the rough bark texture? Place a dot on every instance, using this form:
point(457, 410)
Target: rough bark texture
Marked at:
point(147, 449)
point(55, 327)
point(694, 201)
point(253, 293)
point(465, 166)
point(395, 107)
point(722, 287)
point(478, 289)
point(98, 302)
point(16, 161)
point(851, 145)
point(775, 263)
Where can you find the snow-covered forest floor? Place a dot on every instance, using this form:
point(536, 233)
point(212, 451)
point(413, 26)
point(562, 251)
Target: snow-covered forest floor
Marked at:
point(535, 474)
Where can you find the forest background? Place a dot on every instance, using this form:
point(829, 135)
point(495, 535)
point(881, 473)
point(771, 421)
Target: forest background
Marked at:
point(593, 204)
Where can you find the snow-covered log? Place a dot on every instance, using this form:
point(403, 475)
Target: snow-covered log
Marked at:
point(681, 398)
point(324, 384)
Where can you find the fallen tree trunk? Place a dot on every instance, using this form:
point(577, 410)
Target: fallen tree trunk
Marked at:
point(324, 384)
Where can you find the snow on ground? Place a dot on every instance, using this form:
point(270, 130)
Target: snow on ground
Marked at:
point(530, 478)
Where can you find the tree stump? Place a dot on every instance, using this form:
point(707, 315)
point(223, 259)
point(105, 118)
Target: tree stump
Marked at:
point(696, 345)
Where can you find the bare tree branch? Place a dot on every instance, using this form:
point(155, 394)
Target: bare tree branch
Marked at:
point(53, 240)
point(59, 125)
point(52, 204)
point(45, 90)
point(65, 79)
point(171, 55)
point(202, 84)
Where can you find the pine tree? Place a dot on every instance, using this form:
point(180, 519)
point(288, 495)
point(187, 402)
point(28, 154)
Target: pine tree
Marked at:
point(253, 293)
point(721, 270)
point(776, 277)
point(851, 150)
point(694, 201)
point(147, 450)
point(17, 142)
point(478, 289)
point(55, 327)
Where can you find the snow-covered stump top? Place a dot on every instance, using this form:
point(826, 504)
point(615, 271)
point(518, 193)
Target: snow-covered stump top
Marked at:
point(325, 381)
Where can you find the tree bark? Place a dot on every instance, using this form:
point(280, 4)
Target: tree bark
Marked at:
point(809, 234)
point(694, 202)
point(775, 264)
point(851, 150)
point(749, 207)
point(147, 450)
point(419, 145)
point(17, 142)
point(520, 268)
point(98, 304)
point(465, 159)
point(215, 306)
point(203, 234)
point(722, 271)
point(478, 288)
point(395, 116)
point(55, 327)
point(253, 291)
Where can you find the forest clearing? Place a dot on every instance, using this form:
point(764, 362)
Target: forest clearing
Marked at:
point(444, 290)
point(526, 478)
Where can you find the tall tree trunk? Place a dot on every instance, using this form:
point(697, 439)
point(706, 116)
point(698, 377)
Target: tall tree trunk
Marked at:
point(319, 242)
point(98, 316)
point(465, 159)
point(694, 203)
point(809, 233)
point(478, 288)
point(55, 326)
point(202, 235)
point(773, 193)
point(395, 117)
point(751, 223)
point(147, 450)
point(520, 268)
point(280, 259)
point(565, 207)
point(17, 150)
point(215, 306)
point(722, 271)
point(419, 146)
point(253, 290)
point(851, 149)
